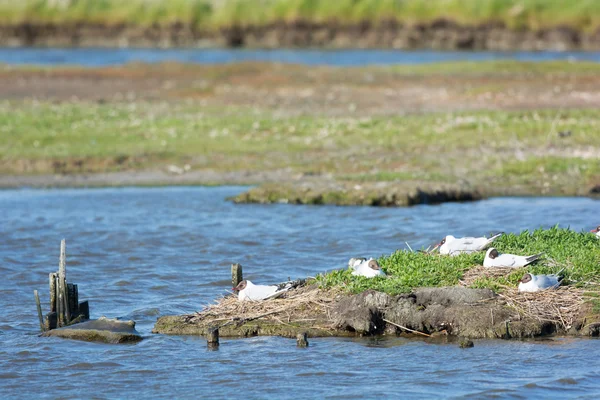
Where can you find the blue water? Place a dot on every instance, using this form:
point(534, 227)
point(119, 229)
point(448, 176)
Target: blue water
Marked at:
point(138, 253)
point(92, 57)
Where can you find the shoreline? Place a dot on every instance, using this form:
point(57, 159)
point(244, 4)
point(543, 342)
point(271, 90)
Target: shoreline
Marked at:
point(439, 312)
point(440, 34)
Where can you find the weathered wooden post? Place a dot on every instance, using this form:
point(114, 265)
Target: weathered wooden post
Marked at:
point(61, 315)
point(84, 309)
point(39, 310)
point(73, 299)
point(212, 337)
point(62, 282)
point(52, 280)
point(302, 340)
point(236, 274)
point(51, 321)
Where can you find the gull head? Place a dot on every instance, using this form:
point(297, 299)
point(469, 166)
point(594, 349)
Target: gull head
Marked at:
point(374, 265)
point(492, 253)
point(596, 230)
point(443, 245)
point(241, 286)
point(526, 278)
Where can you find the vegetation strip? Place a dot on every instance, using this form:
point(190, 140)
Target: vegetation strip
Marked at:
point(215, 14)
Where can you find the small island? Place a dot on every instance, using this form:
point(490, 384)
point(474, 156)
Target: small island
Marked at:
point(429, 295)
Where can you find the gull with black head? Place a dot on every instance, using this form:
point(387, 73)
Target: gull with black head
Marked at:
point(453, 246)
point(495, 259)
point(369, 268)
point(535, 283)
point(249, 291)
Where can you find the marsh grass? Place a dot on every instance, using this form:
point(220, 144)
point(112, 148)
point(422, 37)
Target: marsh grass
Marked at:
point(575, 255)
point(212, 14)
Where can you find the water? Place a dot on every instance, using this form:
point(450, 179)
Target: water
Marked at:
point(93, 57)
point(138, 253)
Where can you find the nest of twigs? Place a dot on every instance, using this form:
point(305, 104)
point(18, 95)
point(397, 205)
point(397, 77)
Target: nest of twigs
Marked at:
point(562, 305)
point(304, 304)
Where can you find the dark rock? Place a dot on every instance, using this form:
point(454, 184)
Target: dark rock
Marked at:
point(99, 330)
point(465, 343)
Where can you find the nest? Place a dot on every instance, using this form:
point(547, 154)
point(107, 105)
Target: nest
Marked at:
point(301, 305)
point(561, 306)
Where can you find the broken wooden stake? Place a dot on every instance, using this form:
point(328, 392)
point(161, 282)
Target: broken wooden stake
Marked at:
point(52, 279)
point(236, 274)
point(61, 318)
point(39, 309)
point(302, 340)
point(62, 282)
point(51, 321)
point(73, 300)
point(212, 337)
point(65, 307)
point(84, 309)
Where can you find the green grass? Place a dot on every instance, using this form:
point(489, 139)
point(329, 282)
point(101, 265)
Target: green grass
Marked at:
point(532, 14)
point(437, 147)
point(576, 254)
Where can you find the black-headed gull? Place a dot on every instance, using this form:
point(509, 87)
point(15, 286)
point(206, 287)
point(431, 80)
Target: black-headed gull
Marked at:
point(494, 259)
point(368, 268)
point(535, 283)
point(353, 263)
point(596, 231)
point(455, 246)
point(249, 291)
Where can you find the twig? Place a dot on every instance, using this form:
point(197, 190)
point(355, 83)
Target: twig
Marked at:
point(405, 328)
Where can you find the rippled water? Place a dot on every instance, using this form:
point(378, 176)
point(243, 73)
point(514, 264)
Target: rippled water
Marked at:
point(103, 57)
point(144, 252)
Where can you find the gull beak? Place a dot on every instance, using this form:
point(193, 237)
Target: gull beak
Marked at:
point(437, 246)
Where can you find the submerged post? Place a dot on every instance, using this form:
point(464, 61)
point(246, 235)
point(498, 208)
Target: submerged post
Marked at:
point(212, 337)
point(302, 340)
point(236, 274)
point(39, 310)
point(84, 310)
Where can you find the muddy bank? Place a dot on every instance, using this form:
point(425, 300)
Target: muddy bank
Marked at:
point(447, 311)
point(440, 34)
point(365, 194)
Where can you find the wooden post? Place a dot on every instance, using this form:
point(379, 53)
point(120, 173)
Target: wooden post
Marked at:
point(62, 281)
point(61, 315)
point(236, 274)
point(84, 309)
point(302, 340)
point(213, 337)
point(51, 321)
point(52, 279)
point(73, 300)
point(39, 309)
